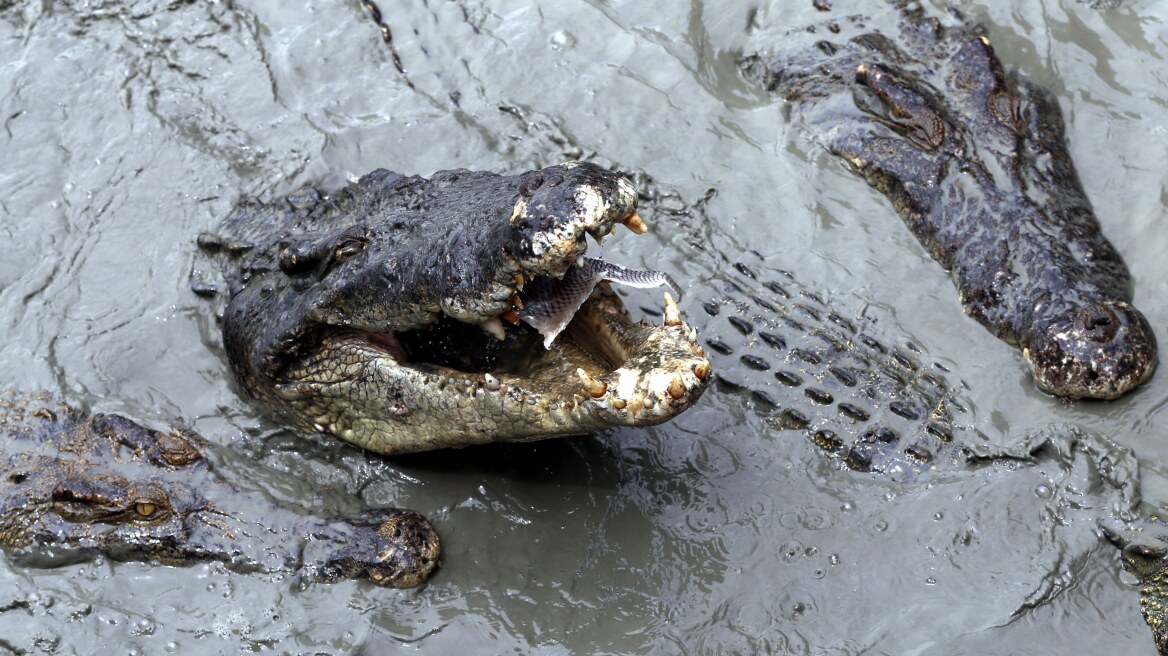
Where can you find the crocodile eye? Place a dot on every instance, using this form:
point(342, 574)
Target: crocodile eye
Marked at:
point(145, 508)
point(349, 247)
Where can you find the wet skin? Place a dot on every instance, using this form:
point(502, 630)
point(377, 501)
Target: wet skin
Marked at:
point(974, 159)
point(805, 365)
point(396, 313)
point(78, 487)
point(1144, 553)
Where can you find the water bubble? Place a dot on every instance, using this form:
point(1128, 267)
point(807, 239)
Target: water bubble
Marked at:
point(561, 40)
point(880, 526)
point(143, 627)
point(1043, 491)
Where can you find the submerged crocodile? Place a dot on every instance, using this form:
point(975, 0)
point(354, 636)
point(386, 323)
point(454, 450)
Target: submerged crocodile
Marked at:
point(975, 161)
point(1144, 553)
point(76, 487)
point(404, 314)
point(875, 406)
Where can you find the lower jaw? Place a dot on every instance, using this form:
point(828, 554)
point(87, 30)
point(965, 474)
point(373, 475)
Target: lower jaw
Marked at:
point(640, 375)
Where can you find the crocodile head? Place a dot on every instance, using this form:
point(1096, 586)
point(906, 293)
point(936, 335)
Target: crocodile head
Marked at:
point(975, 160)
point(76, 487)
point(405, 314)
point(399, 550)
point(1145, 556)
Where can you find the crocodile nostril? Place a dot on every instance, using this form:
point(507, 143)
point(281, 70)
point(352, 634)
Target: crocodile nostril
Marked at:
point(1097, 322)
point(531, 185)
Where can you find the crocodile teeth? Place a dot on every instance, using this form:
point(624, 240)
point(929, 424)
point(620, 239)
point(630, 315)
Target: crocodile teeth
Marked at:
point(676, 388)
point(516, 301)
point(672, 313)
point(494, 328)
point(511, 317)
point(595, 388)
point(634, 223)
point(519, 281)
point(701, 370)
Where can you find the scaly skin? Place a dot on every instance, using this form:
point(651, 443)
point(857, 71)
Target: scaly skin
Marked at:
point(975, 162)
point(877, 407)
point(76, 487)
point(368, 313)
point(1145, 556)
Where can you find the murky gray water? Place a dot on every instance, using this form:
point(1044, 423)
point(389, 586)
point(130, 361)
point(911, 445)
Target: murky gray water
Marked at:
point(128, 128)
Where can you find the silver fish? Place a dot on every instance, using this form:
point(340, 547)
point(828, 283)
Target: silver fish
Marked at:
point(549, 304)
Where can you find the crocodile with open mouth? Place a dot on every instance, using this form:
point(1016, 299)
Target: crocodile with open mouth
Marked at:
point(405, 314)
point(76, 487)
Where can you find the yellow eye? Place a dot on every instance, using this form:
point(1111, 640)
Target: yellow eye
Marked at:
point(145, 508)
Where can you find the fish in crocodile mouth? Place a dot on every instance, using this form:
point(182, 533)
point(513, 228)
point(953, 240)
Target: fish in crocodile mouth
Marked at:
point(405, 314)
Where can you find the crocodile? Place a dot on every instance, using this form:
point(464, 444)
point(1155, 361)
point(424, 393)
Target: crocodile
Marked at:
point(974, 159)
point(404, 314)
point(78, 486)
point(1144, 554)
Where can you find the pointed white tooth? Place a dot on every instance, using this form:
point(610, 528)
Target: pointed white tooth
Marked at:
point(494, 328)
point(701, 370)
point(634, 223)
point(595, 388)
point(580, 261)
point(672, 313)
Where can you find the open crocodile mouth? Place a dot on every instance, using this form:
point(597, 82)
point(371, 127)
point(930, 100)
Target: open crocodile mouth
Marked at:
point(592, 353)
point(547, 350)
point(568, 344)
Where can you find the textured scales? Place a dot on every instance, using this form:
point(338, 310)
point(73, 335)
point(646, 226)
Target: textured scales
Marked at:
point(76, 487)
point(877, 407)
point(385, 313)
point(1144, 553)
point(975, 162)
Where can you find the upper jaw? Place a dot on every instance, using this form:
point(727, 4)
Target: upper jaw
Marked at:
point(558, 206)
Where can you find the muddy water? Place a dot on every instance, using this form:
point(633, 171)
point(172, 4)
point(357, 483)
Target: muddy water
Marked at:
point(128, 128)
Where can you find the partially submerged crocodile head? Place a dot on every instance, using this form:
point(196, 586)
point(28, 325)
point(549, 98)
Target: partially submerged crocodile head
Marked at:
point(974, 159)
point(76, 487)
point(1145, 556)
point(404, 314)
